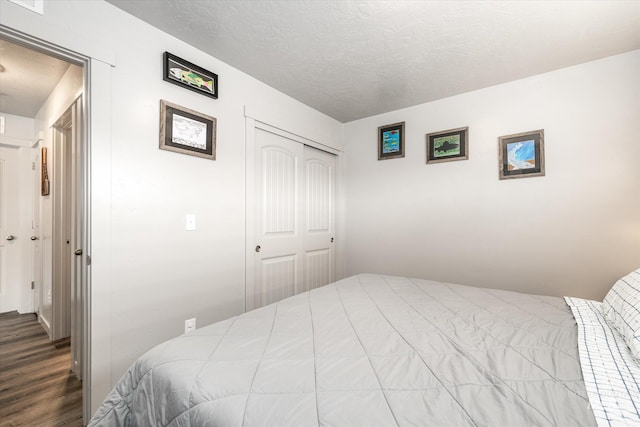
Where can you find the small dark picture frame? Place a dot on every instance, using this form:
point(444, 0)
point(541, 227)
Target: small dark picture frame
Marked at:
point(186, 131)
point(448, 145)
point(188, 75)
point(522, 154)
point(391, 141)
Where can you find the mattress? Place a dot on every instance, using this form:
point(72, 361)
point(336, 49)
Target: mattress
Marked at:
point(369, 350)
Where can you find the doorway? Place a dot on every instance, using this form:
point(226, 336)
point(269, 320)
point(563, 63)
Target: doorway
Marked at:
point(48, 123)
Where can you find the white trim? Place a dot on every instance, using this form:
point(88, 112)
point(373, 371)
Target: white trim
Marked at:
point(36, 6)
point(282, 128)
point(97, 130)
point(250, 217)
point(62, 42)
point(301, 139)
point(98, 111)
point(8, 141)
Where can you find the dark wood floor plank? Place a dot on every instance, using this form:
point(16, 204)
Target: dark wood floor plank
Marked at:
point(37, 387)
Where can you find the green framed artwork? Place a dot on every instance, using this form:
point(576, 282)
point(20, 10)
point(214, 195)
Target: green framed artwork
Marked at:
point(448, 145)
point(391, 141)
point(522, 154)
point(190, 76)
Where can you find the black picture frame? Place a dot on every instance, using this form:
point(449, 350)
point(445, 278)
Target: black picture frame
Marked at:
point(391, 141)
point(448, 145)
point(190, 76)
point(186, 131)
point(521, 155)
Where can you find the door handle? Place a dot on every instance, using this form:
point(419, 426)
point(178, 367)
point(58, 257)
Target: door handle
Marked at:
point(332, 240)
point(258, 248)
point(11, 237)
point(34, 238)
point(78, 252)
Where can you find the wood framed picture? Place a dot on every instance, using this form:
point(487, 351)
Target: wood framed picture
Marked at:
point(391, 141)
point(188, 75)
point(186, 131)
point(522, 154)
point(448, 145)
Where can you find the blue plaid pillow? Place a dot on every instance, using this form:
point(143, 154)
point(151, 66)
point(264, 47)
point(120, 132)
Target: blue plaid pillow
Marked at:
point(621, 307)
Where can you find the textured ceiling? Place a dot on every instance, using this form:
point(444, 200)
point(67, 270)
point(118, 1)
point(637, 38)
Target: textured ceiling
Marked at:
point(354, 59)
point(27, 80)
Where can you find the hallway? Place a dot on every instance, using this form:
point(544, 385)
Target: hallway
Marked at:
point(36, 383)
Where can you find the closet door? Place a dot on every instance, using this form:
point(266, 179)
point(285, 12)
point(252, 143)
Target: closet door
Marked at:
point(319, 218)
point(294, 219)
point(278, 197)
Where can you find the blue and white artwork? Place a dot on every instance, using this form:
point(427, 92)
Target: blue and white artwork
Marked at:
point(391, 141)
point(521, 155)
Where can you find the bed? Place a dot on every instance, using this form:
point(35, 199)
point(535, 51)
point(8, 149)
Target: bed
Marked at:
point(376, 350)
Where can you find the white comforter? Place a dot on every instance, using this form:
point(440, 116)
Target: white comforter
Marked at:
point(368, 350)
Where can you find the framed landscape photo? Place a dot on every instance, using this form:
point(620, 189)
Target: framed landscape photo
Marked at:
point(183, 73)
point(522, 154)
point(186, 131)
point(448, 145)
point(391, 141)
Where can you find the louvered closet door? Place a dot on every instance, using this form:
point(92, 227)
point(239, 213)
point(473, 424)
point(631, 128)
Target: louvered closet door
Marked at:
point(278, 253)
point(319, 218)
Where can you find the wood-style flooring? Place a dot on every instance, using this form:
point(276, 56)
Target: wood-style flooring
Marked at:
point(37, 387)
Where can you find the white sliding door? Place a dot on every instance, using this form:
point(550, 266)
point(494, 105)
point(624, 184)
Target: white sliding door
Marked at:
point(293, 250)
point(278, 251)
point(319, 218)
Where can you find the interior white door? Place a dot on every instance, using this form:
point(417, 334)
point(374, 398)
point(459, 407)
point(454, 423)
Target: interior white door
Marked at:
point(9, 223)
point(278, 252)
point(294, 218)
point(61, 233)
point(319, 218)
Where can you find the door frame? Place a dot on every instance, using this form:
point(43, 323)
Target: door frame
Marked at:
point(86, 63)
point(61, 266)
point(251, 124)
point(36, 248)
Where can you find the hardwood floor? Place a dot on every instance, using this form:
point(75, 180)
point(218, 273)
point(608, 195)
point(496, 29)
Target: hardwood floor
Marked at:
point(37, 387)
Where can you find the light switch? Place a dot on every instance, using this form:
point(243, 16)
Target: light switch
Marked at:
point(191, 222)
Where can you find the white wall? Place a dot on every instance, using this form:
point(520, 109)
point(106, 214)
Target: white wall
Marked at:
point(62, 96)
point(148, 273)
point(19, 131)
point(572, 232)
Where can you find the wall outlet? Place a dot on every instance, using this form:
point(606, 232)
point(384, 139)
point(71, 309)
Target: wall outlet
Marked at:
point(189, 325)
